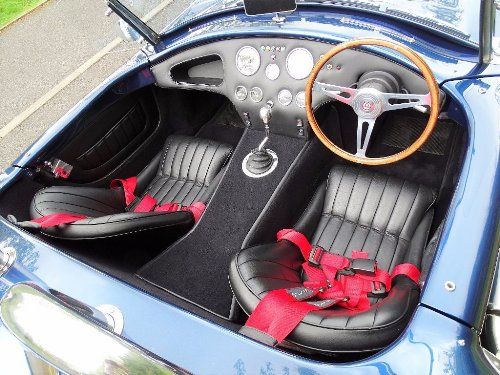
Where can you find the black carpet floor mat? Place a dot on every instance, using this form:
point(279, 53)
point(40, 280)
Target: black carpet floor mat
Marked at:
point(226, 126)
point(196, 267)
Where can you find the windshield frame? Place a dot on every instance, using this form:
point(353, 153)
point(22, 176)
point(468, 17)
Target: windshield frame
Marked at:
point(214, 8)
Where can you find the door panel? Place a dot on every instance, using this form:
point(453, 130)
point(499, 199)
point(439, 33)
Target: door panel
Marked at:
point(130, 129)
point(116, 136)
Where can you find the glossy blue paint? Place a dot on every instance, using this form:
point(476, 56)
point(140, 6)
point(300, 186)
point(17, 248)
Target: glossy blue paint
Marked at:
point(201, 347)
point(432, 341)
point(466, 252)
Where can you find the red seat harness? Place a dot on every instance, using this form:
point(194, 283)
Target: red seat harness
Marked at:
point(146, 204)
point(331, 280)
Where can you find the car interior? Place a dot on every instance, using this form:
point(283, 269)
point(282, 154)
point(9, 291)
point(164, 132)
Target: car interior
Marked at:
point(225, 125)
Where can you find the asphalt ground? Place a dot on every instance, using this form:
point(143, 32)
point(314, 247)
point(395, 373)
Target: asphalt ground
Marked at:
point(38, 54)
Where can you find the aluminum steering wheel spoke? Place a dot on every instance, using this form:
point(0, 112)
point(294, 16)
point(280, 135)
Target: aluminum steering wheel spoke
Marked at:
point(363, 142)
point(393, 101)
point(340, 93)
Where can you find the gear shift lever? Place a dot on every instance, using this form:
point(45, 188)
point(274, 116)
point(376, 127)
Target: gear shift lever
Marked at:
point(265, 114)
point(261, 161)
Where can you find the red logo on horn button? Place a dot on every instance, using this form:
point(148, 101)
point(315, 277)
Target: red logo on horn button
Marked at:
point(367, 106)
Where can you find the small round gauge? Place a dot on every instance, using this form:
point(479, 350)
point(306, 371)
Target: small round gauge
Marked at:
point(241, 93)
point(285, 97)
point(299, 63)
point(256, 94)
point(300, 99)
point(248, 60)
point(272, 71)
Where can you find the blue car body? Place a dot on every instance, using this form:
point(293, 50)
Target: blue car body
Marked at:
point(442, 336)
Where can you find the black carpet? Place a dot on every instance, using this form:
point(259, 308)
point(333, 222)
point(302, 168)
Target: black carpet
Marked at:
point(196, 267)
point(226, 126)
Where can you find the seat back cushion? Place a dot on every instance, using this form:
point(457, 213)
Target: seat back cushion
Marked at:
point(187, 167)
point(383, 215)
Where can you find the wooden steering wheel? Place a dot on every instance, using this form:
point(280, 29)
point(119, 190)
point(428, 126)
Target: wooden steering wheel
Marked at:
point(370, 103)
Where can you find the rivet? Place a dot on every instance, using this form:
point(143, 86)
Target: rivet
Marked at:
point(450, 286)
point(481, 90)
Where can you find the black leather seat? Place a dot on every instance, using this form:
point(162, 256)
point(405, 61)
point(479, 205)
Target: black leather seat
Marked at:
point(186, 171)
point(354, 210)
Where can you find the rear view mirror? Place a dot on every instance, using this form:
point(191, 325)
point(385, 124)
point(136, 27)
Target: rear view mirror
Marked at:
point(257, 7)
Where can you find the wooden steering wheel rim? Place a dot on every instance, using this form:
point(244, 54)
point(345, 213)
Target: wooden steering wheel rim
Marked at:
point(410, 54)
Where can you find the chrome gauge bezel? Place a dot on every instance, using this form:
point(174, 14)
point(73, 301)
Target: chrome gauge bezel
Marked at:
point(299, 61)
point(300, 99)
point(280, 96)
point(261, 94)
point(269, 73)
point(257, 56)
point(244, 89)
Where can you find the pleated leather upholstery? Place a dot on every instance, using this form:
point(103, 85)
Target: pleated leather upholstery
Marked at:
point(187, 168)
point(355, 210)
point(184, 175)
point(373, 212)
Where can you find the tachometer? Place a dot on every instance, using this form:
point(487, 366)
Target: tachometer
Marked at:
point(299, 63)
point(248, 60)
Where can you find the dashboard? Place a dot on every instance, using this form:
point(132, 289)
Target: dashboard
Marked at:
point(252, 72)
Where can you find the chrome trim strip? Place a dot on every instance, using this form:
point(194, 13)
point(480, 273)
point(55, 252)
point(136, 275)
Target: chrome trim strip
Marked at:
point(69, 341)
point(8, 256)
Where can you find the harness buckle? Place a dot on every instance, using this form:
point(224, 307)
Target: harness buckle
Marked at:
point(348, 271)
point(378, 292)
point(315, 256)
point(366, 267)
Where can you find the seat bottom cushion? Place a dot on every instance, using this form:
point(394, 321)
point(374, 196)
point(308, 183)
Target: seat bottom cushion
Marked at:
point(106, 216)
point(260, 269)
point(87, 201)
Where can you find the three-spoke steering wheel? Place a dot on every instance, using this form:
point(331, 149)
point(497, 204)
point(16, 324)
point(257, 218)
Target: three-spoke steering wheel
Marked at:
point(369, 103)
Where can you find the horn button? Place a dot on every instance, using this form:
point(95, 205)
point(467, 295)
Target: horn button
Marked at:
point(368, 103)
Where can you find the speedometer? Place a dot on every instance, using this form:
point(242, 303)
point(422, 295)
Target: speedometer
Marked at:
point(299, 63)
point(248, 60)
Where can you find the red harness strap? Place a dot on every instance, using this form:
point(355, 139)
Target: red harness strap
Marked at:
point(57, 219)
point(146, 204)
point(265, 317)
point(331, 280)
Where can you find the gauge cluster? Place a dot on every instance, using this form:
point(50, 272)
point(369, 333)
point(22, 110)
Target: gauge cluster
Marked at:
point(277, 62)
point(251, 72)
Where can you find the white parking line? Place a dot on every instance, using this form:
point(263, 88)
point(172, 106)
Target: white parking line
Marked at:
point(20, 118)
point(16, 121)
